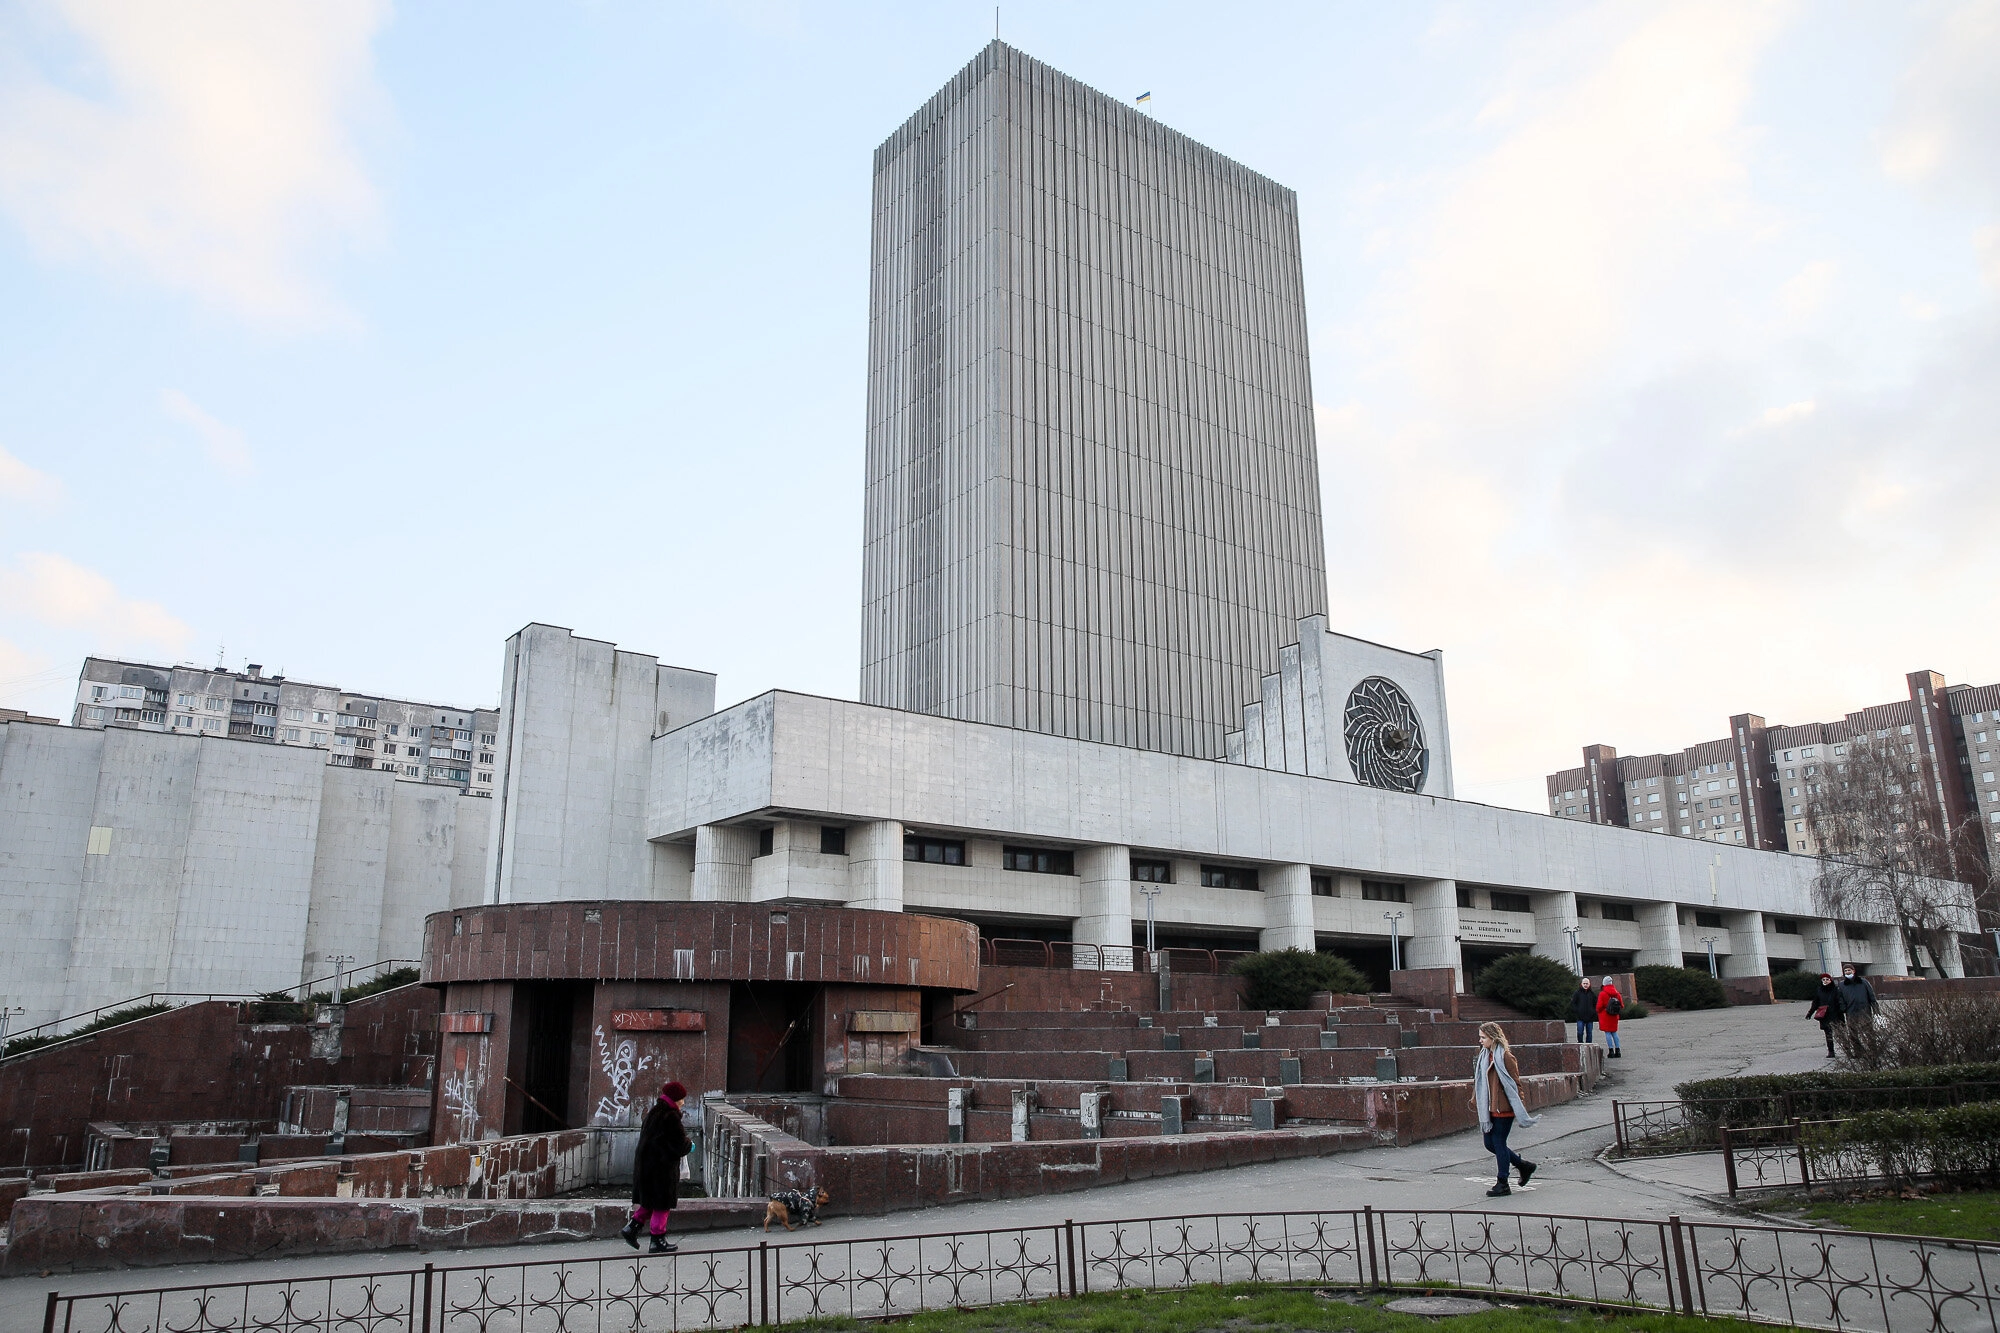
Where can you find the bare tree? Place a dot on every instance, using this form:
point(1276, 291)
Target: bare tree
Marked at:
point(1888, 848)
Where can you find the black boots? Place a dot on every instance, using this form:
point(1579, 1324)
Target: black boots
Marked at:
point(1498, 1191)
point(660, 1246)
point(1527, 1170)
point(630, 1233)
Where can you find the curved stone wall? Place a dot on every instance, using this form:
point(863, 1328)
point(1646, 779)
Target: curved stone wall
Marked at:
point(654, 941)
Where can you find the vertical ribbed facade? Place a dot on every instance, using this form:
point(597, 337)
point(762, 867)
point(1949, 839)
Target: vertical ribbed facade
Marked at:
point(1093, 493)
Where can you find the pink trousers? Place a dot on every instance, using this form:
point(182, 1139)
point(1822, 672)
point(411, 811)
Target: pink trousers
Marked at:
point(655, 1219)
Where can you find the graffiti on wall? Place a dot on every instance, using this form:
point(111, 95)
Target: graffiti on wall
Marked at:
point(621, 1065)
point(461, 1102)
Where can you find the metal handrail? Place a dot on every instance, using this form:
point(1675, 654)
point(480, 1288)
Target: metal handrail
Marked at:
point(181, 999)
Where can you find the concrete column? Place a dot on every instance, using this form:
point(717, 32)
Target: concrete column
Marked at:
point(1106, 904)
point(1952, 964)
point(722, 857)
point(1554, 912)
point(875, 866)
point(1890, 950)
point(1659, 935)
point(1433, 940)
point(1747, 954)
point(1822, 945)
point(1288, 909)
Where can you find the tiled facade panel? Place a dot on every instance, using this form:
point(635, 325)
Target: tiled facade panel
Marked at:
point(133, 862)
point(1093, 498)
point(48, 789)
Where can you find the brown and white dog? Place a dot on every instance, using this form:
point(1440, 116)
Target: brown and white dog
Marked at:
point(789, 1206)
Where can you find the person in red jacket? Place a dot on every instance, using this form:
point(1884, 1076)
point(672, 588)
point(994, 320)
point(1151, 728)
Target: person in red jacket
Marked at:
point(1610, 1004)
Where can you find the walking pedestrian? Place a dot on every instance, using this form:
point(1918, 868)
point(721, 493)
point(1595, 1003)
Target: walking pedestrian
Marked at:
point(1827, 1008)
point(656, 1170)
point(1583, 1008)
point(1857, 997)
point(1496, 1096)
point(1610, 1007)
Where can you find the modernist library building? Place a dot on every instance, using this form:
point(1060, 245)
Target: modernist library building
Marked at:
point(1097, 669)
point(1096, 663)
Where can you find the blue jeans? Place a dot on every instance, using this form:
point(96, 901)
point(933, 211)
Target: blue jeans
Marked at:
point(1611, 1040)
point(1496, 1142)
point(1584, 1031)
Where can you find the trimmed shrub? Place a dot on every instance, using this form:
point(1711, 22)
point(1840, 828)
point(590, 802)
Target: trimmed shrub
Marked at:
point(1959, 1144)
point(1287, 978)
point(1539, 987)
point(1680, 988)
point(1636, 1009)
point(1793, 984)
point(1942, 1029)
point(1758, 1099)
point(111, 1020)
point(401, 976)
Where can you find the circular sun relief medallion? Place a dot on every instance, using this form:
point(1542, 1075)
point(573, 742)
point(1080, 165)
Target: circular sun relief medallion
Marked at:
point(1385, 737)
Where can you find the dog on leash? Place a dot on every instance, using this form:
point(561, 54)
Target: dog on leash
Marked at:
point(795, 1206)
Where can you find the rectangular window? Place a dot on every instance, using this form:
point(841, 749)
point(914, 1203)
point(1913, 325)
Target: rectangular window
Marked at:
point(487, 738)
point(832, 840)
point(1228, 877)
point(1784, 925)
point(936, 851)
point(766, 839)
point(1510, 902)
point(395, 730)
point(482, 777)
point(1152, 870)
point(291, 733)
point(1384, 891)
point(1710, 920)
point(1323, 887)
point(1464, 896)
point(1618, 911)
point(1038, 860)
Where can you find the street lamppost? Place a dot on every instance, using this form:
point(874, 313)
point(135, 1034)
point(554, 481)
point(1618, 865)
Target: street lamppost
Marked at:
point(1395, 920)
point(1149, 892)
point(1710, 940)
point(7, 1017)
point(1575, 948)
point(340, 962)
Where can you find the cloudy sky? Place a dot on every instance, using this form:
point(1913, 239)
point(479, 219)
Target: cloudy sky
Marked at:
point(1657, 347)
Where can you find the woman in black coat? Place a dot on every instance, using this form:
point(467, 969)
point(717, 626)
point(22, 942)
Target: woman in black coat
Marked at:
point(656, 1170)
point(1827, 1007)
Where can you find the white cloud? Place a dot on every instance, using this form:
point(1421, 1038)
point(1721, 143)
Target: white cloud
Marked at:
point(205, 147)
point(222, 444)
point(63, 595)
point(18, 481)
point(1647, 468)
point(1531, 271)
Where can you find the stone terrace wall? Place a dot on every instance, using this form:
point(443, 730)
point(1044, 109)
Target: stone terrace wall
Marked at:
point(203, 1062)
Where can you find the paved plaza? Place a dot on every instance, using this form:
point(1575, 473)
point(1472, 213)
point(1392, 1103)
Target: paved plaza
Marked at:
point(1447, 1173)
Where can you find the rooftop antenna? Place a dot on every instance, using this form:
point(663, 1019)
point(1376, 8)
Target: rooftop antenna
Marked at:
point(218, 657)
point(996, 23)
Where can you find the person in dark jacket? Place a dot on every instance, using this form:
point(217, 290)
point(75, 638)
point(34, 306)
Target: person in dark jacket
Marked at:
point(1856, 995)
point(1583, 1008)
point(656, 1170)
point(1827, 1008)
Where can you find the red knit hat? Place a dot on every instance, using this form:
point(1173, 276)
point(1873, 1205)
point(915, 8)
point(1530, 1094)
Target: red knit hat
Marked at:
point(674, 1092)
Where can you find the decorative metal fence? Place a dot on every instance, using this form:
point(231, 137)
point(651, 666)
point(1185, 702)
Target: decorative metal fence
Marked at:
point(1693, 1126)
point(1798, 1277)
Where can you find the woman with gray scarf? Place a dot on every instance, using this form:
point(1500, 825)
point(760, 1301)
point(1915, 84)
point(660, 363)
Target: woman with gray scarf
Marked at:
point(1496, 1095)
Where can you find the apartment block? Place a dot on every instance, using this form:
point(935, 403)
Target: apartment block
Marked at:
point(420, 742)
point(1752, 787)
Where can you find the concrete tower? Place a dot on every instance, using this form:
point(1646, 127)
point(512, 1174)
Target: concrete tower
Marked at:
point(1093, 494)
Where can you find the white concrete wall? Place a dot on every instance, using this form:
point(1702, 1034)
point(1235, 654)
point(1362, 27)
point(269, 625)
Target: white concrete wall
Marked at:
point(847, 762)
point(577, 718)
point(220, 866)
